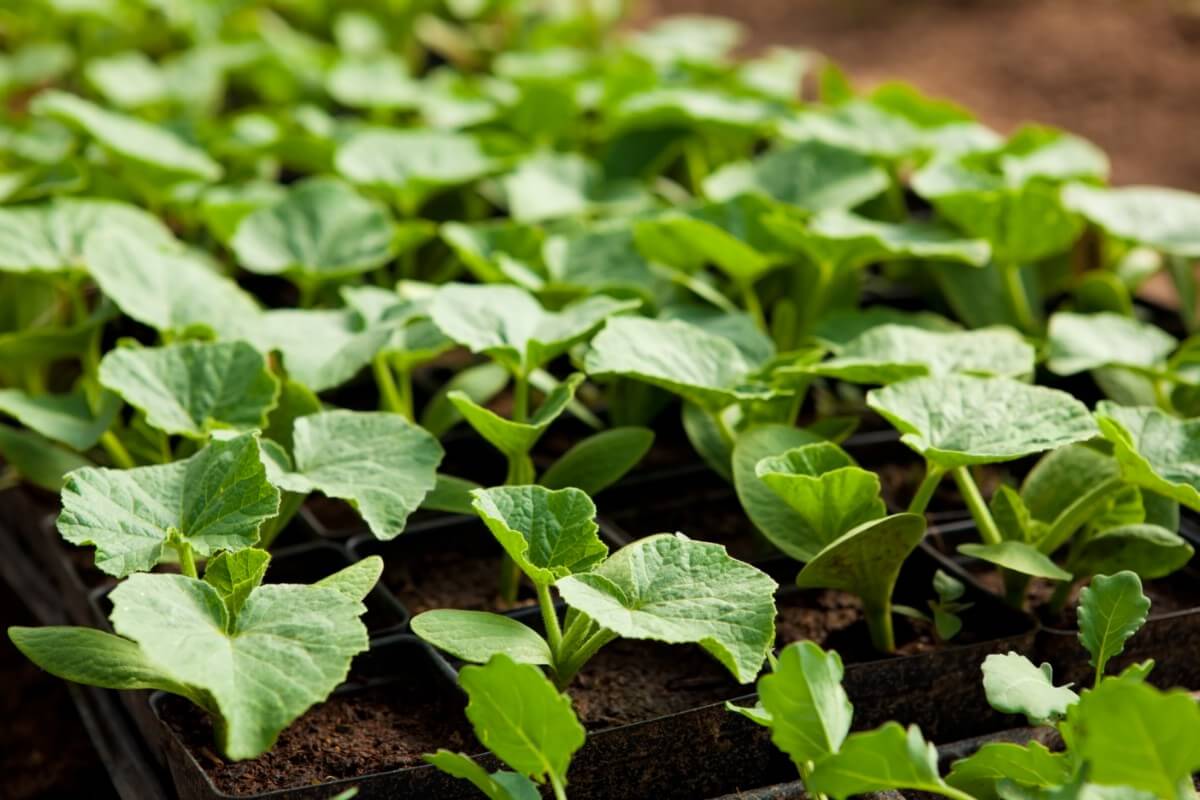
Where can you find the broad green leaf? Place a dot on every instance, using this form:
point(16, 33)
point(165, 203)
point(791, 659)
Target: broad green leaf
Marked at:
point(170, 290)
point(684, 359)
point(886, 758)
point(1030, 765)
point(1036, 151)
point(512, 438)
point(215, 500)
point(1012, 516)
point(322, 230)
point(1165, 219)
point(321, 349)
point(1155, 450)
point(674, 108)
point(598, 256)
point(486, 248)
point(857, 125)
point(476, 636)
point(827, 491)
point(548, 534)
point(380, 462)
point(555, 185)
point(66, 418)
point(286, 650)
point(496, 786)
point(129, 79)
point(415, 339)
point(672, 589)
point(521, 718)
point(1015, 686)
point(809, 711)
point(357, 580)
point(378, 81)
point(767, 510)
point(866, 560)
point(479, 384)
point(957, 420)
point(1017, 556)
point(235, 575)
point(1111, 609)
point(1131, 734)
point(223, 207)
point(1062, 476)
point(600, 460)
point(194, 388)
point(130, 138)
point(37, 459)
point(688, 38)
point(1151, 551)
point(1082, 342)
point(812, 175)
point(54, 237)
point(839, 328)
point(509, 325)
point(891, 353)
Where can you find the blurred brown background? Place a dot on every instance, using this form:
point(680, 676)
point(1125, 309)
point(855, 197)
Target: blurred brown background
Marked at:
point(1123, 73)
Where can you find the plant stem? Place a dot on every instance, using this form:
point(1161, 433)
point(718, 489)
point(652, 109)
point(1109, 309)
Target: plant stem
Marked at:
point(520, 471)
point(187, 559)
point(404, 380)
point(389, 393)
point(116, 451)
point(510, 580)
point(560, 793)
point(1058, 600)
point(1019, 298)
point(550, 620)
point(520, 412)
point(879, 624)
point(988, 530)
point(920, 501)
point(1076, 515)
point(575, 661)
point(818, 297)
point(753, 304)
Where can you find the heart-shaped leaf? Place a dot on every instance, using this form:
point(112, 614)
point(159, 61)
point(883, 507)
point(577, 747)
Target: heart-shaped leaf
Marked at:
point(321, 349)
point(956, 420)
point(1165, 219)
point(672, 589)
point(1155, 450)
point(215, 500)
point(1082, 342)
point(1015, 686)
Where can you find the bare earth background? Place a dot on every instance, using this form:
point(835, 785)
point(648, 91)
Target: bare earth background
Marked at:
point(1123, 73)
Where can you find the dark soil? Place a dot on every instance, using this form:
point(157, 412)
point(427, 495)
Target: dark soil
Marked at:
point(428, 579)
point(631, 681)
point(353, 734)
point(833, 619)
point(44, 751)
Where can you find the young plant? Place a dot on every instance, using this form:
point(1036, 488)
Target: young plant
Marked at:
point(254, 657)
point(524, 721)
point(827, 513)
point(664, 588)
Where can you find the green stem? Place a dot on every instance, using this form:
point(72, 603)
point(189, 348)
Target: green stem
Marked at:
point(1076, 515)
point(1015, 587)
point(988, 531)
point(560, 793)
point(116, 451)
point(1058, 600)
point(818, 297)
point(806, 771)
point(753, 304)
point(1015, 287)
point(920, 501)
point(550, 619)
point(520, 471)
point(389, 393)
point(697, 164)
point(879, 623)
point(187, 559)
point(575, 661)
point(404, 381)
point(520, 412)
point(510, 580)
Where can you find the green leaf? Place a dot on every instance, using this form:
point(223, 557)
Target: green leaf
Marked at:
point(684, 359)
point(322, 230)
point(891, 353)
point(598, 257)
point(1131, 734)
point(1015, 686)
point(516, 439)
point(194, 388)
point(672, 589)
point(1155, 450)
point(1111, 609)
point(377, 81)
point(215, 500)
point(521, 718)
point(37, 459)
point(450, 494)
point(1061, 477)
point(509, 325)
point(415, 340)
point(555, 185)
point(1165, 219)
point(809, 711)
point(767, 510)
point(54, 237)
point(1017, 556)
point(128, 137)
point(1082, 342)
point(548, 534)
point(479, 384)
point(829, 493)
point(66, 418)
point(236, 575)
point(1012, 515)
point(674, 108)
point(380, 462)
point(812, 175)
point(287, 649)
point(839, 328)
point(357, 580)
point(957, 420)
point(476, 636)
point(485, 247)
point(1030, 765)
point(1151, 551)
point(321, 349)
point(888, 757)
point(496, 786)
point(170, 290)
point(600, 460)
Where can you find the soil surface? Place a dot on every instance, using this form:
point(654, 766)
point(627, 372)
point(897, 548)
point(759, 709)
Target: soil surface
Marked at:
point(833, 620)
point(450, 579)
point(353, 734)
point(44, 751)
